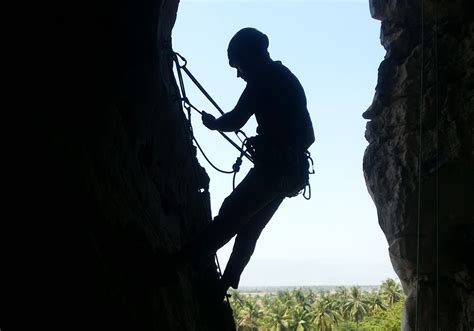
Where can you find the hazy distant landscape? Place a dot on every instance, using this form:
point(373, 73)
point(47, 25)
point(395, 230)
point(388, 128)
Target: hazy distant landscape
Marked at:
point(315, 288)
point(339, 308)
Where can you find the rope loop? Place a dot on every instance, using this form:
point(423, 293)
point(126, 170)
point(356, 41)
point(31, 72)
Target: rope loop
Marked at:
point(182, 59)
point(308, 155)
point(188, 105)
point(307, 188)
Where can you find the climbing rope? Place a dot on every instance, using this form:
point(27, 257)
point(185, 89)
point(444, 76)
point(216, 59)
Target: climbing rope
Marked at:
point(243, 152)
point(209, 161)
point(187, 104)
point(435, 47)
point(420, 151)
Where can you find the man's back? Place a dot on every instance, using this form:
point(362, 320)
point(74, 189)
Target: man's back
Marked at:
point(280, 107)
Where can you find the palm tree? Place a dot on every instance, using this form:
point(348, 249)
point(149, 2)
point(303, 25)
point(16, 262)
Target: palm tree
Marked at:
point(285, 297)
point(277, 316)
point(340, 298)
point(391, 291)
point(249, 314)
point(324, 314)
point(300, 317)
point(356, 306)
point(235, 297)
point(375, 302)
point(299, 296)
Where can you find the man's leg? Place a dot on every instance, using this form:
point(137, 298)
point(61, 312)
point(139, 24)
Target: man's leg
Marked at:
point(245, 243)
point(257, 190)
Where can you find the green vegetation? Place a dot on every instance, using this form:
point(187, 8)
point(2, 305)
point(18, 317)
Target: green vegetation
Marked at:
point(341, 309)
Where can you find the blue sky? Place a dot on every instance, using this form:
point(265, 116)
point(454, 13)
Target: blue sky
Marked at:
point(333, 48)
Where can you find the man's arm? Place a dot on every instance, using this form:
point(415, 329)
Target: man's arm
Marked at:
point(235, 119)
point(231, 121)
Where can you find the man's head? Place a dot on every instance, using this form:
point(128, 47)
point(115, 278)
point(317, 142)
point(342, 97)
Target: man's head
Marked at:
point(247, 48)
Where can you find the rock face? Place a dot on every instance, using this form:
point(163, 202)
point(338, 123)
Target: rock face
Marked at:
point(420, 159)
point(117, 184)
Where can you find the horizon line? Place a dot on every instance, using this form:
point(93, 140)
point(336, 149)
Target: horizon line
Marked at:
point(288, 1)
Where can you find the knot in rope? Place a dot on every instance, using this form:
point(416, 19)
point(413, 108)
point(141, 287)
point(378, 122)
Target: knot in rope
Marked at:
point(237, 164)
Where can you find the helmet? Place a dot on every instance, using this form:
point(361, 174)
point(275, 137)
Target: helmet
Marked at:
point(246, 44)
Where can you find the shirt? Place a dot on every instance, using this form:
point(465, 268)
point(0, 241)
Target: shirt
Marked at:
point(278, 101)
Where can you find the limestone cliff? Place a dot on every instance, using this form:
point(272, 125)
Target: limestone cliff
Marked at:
point(419, 162)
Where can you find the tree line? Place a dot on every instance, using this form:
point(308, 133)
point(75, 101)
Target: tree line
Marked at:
point(346, 308)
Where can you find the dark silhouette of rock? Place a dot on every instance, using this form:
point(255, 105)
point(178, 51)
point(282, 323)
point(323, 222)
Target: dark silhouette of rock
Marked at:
point(114, 187)
point(423, 193)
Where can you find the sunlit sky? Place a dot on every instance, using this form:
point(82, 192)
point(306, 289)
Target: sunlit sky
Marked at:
point(333, 48)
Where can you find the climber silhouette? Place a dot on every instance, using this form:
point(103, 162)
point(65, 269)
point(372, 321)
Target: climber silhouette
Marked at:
point(284, 133)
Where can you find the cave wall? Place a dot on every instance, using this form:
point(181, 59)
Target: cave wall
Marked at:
point(112, 184)
point(419, 163)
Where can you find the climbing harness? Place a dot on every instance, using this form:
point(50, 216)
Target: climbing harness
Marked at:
point(307, 187)
point(243, 149)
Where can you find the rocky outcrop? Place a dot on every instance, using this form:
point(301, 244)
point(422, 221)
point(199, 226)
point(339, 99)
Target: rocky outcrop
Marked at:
point(420, 159)
point(115, 185)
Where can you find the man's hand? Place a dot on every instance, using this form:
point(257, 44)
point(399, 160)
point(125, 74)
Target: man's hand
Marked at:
point(208, 120)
